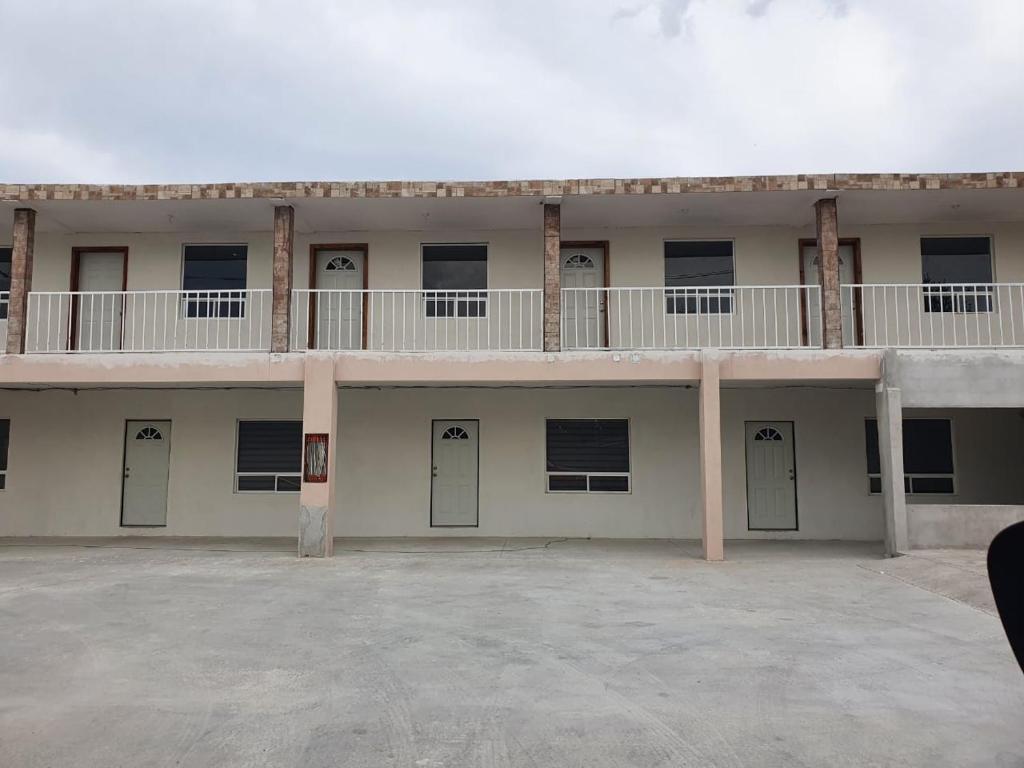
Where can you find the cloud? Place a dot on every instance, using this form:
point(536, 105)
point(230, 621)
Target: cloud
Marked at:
point(189, 90)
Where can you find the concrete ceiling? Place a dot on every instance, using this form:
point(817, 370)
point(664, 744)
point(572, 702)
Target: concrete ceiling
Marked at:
point(722, 209)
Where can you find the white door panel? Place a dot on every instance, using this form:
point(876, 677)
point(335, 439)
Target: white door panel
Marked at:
point(771, 476)
point(339, 316)
point(147, 454)
point(454, 481)
point(584, 311)
point(99, 314)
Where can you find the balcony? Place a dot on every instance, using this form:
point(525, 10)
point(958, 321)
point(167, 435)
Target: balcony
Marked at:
point(148, 321)
point(509, 320)
point(931, 316)
point(726, 317)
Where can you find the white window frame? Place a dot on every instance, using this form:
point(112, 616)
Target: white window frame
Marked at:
point(723, 291)
point(628, 474)
point(236, 474)
point(920, 475)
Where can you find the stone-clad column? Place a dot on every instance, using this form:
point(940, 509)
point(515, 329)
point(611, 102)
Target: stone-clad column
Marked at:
point(889, 411)
point(319, 417)
point(827, 222)
point(712, 528)
point(23, 242)
point(284, 240)
point(552, 277)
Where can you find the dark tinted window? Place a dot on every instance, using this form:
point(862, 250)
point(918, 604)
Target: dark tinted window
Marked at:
point(457, 274)
point(927, 450)
point(270, 446)
point(5, 435)
point(587, 445)
point(454, 267)
point(697, 264)
point(217, 275)
point(5, 280)
point(956, 260)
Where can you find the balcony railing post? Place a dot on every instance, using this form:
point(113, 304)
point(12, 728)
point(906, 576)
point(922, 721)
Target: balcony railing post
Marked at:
point(827, 224)
point(23, 238)
point(552, 274)
point(284, 241)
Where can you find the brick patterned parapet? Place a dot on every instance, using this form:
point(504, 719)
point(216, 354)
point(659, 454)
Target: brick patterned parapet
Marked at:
point(26, 193)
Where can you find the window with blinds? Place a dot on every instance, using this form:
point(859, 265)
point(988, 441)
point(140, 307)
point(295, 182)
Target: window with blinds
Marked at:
point(588, 455)
point(269, 456)
point(927, 456)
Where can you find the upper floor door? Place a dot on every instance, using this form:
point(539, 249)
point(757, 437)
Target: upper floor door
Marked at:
point(848, 275)
point(99, 306)
point(584, 305)
point(339, 308)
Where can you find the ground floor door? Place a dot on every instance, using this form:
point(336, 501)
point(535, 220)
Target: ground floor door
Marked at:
point(147, 454)
point(771, 476)
point(455, 474)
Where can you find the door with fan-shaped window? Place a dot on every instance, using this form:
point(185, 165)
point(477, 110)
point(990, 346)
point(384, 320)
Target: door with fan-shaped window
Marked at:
point(147, 455)
point(454, 474)
point(583, 298)
point(339, 299)
point(771, 476)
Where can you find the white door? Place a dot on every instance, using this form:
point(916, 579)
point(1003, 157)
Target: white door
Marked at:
point(813, 304)
point(583, 311)
point(339, 316)
point(100, 279)
point(453, 487)
point(771, 476)
point(147, 454)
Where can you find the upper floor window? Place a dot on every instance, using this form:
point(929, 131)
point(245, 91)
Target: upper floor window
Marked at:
point(455, 280)
point(961, 270)
point(5, 280)
point(702, 271)
point(213, 277)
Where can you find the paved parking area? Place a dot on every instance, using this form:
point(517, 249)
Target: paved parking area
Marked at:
point(496, 653)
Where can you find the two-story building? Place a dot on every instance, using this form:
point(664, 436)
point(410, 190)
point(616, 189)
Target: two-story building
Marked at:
point(782, 357)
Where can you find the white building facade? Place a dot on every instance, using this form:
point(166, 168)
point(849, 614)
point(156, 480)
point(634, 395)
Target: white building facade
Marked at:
point(799, 357)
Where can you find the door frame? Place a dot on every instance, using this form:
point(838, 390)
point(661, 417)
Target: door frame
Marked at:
point(314, 252)
point(124, 457)
point(746, 478)
point(73, 282)
point(804, 242)
point(605, 277)
point(477, 523)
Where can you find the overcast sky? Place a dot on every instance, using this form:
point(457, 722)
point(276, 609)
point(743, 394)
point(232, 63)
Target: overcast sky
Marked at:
point(220, 90)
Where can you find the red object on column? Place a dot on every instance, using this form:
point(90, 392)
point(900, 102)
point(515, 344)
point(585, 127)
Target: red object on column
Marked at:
point(315, 458)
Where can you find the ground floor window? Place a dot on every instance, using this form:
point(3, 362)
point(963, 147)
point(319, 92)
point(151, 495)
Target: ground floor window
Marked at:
point(927, 456)
point(588, 456)
point(5, 434)
point(269, 456)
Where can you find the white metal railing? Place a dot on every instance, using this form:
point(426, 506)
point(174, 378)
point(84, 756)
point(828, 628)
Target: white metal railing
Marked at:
point(504, 319)
point(934, 315)
point(731, 317)
point(148, 321)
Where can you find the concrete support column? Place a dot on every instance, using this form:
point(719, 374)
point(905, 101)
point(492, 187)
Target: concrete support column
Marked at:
point(827, 221)
point(889, 410)
point(281, 312)
point(552, 277)
point(23, 242)
point(712, 527)
point(319, 417)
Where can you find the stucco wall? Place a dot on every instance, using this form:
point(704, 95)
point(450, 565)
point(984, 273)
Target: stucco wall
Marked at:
point(66, 458)
point(65, 461)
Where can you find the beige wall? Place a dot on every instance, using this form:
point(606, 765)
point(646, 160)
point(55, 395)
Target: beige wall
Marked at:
point(65, 461)
point(66, 458)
